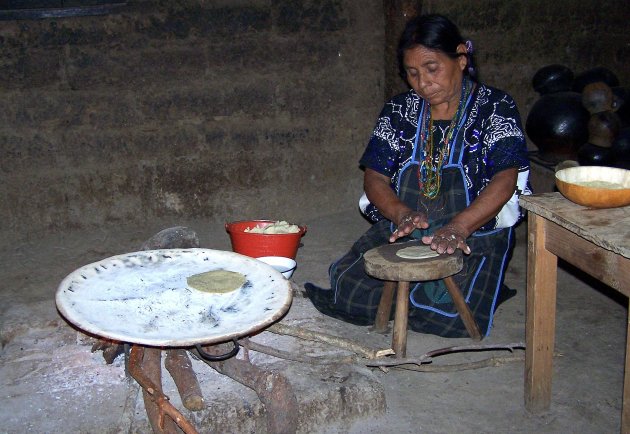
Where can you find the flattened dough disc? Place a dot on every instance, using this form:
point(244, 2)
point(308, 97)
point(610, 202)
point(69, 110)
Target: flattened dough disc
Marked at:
point(417, 252)
point(216, 281)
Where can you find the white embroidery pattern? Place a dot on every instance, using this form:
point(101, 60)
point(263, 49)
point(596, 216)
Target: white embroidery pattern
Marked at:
point(385, 131)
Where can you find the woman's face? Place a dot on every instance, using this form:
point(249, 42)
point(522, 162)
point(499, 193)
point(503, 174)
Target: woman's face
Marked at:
point(435, 76)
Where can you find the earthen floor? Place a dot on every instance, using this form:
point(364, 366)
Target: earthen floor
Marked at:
point(52, 383)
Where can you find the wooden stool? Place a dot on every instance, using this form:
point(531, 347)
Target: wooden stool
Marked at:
point(383, 263)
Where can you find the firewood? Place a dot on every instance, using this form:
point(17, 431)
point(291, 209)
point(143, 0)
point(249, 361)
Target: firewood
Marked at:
point(179, 366)
point(147, 372)
point(111, 349)
point(431, 355)
point(152, 367)
point(273, 389)
point(311, 335)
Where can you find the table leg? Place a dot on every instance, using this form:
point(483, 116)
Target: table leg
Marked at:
point(399, 339)
point(625, 406)
point(384, 307)
point(541, 316)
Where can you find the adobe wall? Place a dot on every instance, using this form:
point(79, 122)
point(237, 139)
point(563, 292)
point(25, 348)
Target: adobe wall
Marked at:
point(219, 110)
point(241, 109)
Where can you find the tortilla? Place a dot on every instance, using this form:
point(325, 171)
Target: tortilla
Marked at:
point(217, 281)
point(417, 252)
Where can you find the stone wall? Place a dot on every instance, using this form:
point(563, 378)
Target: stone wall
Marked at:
point(191, 109)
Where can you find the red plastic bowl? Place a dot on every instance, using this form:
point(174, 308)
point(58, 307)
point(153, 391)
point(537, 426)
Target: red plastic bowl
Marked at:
point(257, 245)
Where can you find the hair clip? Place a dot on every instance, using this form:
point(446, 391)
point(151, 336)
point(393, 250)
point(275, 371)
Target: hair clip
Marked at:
point(469, 47)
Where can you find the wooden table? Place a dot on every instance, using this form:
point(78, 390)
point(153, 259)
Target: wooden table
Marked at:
point(595, 240)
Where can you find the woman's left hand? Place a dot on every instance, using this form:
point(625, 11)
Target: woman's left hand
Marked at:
point(448, 239)
point(453, 235)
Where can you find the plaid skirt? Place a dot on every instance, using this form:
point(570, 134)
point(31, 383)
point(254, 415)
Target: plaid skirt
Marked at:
point(354, 295)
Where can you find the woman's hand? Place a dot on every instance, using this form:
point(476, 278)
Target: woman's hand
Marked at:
point(408, 223)
point(378, 190)
point(453, 235)
point(448, 239)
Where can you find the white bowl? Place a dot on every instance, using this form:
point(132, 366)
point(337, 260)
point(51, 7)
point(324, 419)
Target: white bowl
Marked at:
point(284, 265)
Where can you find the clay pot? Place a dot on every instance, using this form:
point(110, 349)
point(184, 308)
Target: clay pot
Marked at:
point(598, 97)
point(603, 128)
point(557, 125)
point(593, 155)
point(594, 75)
point(552, 78)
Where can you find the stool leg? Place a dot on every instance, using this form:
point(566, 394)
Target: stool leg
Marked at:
point(399, 339)
point(384, 307)
point(462, 308)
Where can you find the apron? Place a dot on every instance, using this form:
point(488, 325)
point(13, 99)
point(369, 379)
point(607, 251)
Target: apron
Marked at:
point(355, 295)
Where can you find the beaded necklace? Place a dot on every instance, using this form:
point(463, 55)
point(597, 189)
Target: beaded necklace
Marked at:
point(430, 168)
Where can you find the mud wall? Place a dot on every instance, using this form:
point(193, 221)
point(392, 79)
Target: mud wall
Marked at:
point(238, 109)
point(217, 110)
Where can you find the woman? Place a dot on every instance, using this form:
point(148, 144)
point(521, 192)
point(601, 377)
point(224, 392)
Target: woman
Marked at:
point(446, 163)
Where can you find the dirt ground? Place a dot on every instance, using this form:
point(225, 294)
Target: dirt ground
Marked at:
point(52, 383)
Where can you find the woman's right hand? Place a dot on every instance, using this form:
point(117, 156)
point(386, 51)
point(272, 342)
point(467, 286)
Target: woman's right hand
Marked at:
point(378, 190)
point(408, 223)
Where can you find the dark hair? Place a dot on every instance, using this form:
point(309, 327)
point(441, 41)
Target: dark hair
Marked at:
point(435, 32)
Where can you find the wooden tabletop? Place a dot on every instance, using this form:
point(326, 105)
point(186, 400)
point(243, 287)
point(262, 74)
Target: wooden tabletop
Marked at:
point(608, 228)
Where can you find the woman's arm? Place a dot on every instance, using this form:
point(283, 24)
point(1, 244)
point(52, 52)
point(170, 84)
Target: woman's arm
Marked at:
point(487, 205)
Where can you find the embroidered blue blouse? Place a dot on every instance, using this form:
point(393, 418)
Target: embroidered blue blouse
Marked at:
point(493, 141)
